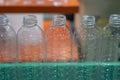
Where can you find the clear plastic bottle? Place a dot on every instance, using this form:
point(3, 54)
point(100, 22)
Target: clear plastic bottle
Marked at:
point(7, 41)
point(59, 41)
point(88, 35)
point(31, 42)
point(111, 39)
point(110, 48)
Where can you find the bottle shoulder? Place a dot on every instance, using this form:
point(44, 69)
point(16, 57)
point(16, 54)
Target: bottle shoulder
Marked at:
point(111, 30)
point(7, 29)
point(7, 33)
point(30, 29)
point(58, 29)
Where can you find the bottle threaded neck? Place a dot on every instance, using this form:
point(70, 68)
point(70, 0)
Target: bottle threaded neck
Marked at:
point(29, 20)
point(114, 19)
point(88, 20)
point(59, 20)
point(3, 19)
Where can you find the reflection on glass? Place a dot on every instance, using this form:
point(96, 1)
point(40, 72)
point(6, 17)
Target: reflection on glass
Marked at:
point(57, 2)
point(40, 1)
point(1, 1)
point(26, 2)
point(10, 2)
point(65, 1)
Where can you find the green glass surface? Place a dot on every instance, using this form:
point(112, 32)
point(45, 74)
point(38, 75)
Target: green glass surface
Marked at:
point(60, 71)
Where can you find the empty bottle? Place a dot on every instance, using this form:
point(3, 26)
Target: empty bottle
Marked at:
point(110, 48)
point(88, 35)
point(112, 39)
point(7, 41)
point(31, 43)
point(59, 41)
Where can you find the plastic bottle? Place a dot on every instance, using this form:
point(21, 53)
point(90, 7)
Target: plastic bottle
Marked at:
point(31, 42)
point(110, 48)
point(7, 41)
point(59, 42)
point(112, 38)
point(88, 35)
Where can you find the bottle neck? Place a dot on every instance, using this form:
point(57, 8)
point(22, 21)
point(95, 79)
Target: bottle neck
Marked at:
point(114, 20)
point(29, 24)
point(29, 21)
point(115, 25)
point(3, 23)
point(88, 21)
point(3, 20)
point(55, 24)
point(88, 26)
point(59, 20)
